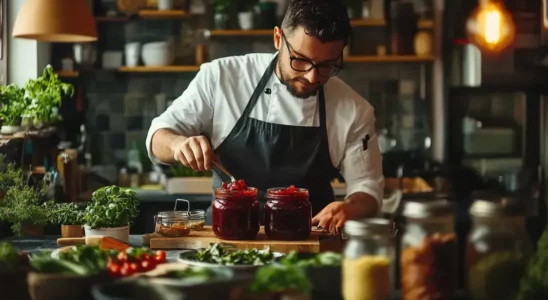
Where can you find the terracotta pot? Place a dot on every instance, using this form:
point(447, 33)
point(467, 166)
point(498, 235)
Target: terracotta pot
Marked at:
point(32, 230)
point(13, 285)
point(72, 231)
point(53, 286)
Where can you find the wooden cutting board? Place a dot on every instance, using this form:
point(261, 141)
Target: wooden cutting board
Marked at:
point(317, 242)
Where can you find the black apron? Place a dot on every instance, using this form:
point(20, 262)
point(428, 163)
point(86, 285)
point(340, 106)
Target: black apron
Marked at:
point(268, 155)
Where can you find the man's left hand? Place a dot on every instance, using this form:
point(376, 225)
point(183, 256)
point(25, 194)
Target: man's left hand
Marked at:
point(333, 216)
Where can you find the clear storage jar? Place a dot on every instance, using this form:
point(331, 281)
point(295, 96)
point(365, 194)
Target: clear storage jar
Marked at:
point(172, 223)
point(428, 260)
point(498, 249)
point(196, 219)
point(368, 260)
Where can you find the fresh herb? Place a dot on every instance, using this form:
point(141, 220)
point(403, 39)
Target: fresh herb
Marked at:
point(65, 213)
point(194, 273)
point(14, 103)
point(8, 256)
point(111, 206)
point(10, 174)
point(218, 254)
point(533, 284)
point(318, 260)
point(83, 260)
point(280, 278)
point(46, 94)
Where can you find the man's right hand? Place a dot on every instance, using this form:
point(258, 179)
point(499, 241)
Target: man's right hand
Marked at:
point(194, 152)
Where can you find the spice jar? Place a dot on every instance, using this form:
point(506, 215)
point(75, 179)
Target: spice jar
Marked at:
point(287, 214)
point(367, 262)
point(428, 258)
point(498, 249)
point(196, 219)
point(235, 212)
point(172, 223)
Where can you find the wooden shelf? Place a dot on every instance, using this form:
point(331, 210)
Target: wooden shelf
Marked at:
point(111, 19)
point(239, 32)
point(67, 74)
point(425, 24)
point(388, 58)
point(144, 69)
point(367, 22)
point(162, 14)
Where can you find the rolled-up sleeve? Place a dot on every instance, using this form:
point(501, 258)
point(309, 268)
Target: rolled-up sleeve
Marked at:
point(361, 165)
point(192, 113)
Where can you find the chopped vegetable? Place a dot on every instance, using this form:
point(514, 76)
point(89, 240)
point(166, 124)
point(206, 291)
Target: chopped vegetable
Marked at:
point(194, 273)
point(135, 260)
point(317, 260)
point(83, 260)
point(280, 278)
point(219, 254)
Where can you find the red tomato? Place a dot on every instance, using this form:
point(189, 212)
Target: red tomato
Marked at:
point(135, 268)
point(160, 256)
point(114, 270)
point(147, 265)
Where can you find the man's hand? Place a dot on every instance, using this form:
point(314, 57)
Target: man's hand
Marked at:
point(194, 152)
point(333, 216)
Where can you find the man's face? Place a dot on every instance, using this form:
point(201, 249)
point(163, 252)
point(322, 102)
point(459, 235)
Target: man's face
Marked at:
point(299, 53)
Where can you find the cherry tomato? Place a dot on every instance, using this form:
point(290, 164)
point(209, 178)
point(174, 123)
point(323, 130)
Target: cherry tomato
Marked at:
point(147, 265)
point(122, 257)
point(160, 256)
point(125, 272)
point(135, 267)
point(114, 270)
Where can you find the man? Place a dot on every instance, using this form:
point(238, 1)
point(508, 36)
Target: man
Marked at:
point(282, 119)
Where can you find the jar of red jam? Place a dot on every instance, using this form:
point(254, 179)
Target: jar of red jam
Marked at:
point(287, 214)
point(235, 212)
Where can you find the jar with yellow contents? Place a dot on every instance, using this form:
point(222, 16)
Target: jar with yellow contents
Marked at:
point(367, 265)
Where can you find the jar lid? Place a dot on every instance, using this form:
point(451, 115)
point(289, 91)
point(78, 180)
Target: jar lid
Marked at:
point(368, 227)
point(497, 208)
point(425, 209)
point(172, 213)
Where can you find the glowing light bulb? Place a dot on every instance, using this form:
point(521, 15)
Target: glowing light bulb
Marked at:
point(491, 27)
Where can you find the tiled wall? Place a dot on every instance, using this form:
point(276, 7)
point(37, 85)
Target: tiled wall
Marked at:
point(120, 107)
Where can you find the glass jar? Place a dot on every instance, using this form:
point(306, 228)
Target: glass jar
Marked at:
point(367, 263)
point(172, 223)
point(235, 214)
point(196, 219)
point(498, 249)
point(287, 214)
point(428, 260)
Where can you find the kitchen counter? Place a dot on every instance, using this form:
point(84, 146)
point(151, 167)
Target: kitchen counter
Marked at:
point(49, 243)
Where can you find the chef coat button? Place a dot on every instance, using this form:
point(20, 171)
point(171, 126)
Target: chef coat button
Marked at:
point(268, 91)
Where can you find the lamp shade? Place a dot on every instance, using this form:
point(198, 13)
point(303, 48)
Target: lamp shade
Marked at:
point(63, 21)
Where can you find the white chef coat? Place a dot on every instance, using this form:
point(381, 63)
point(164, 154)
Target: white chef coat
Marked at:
point(218, 95)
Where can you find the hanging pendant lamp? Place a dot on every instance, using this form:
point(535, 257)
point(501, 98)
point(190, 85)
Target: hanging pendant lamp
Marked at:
point(62, 21)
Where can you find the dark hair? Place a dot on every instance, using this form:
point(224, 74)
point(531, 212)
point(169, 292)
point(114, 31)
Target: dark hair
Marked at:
point(326, 20)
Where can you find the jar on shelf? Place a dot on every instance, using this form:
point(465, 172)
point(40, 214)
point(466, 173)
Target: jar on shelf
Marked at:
point(367, 267)
point(172, 223)
point(498, 249)
point(428, 260)
point(287, 214)
point(235, 214)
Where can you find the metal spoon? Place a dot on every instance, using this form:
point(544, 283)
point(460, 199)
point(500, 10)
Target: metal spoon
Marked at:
point(218, 165)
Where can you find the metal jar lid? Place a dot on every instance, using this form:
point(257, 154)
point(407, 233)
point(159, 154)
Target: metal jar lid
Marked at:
point(504, 207)
point(427, 209)
point(173, 214)
point(368, 227)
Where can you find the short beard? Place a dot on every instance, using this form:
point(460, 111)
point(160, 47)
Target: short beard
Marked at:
point(289, 85)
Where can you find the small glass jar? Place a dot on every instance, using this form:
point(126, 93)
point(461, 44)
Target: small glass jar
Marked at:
point(172, 223)
point(235, 214)
point(287, 214)
point(367, 267)
point(428, 260)
point(196, 219)
point(498, 249)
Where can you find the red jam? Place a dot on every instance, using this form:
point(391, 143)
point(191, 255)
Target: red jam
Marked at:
point(287, 214)
point(235, 212)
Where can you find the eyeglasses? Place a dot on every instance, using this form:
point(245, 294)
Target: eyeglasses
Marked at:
point(304, 65)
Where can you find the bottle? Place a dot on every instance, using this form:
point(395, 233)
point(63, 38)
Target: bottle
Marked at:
point(134, 158)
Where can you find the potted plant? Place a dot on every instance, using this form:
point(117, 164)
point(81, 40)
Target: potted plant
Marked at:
point(70, 217)
point(110, 212)
point(13, 106)
point(46, 93)
point(21, 203)
point(220, 8)
point(183, 180)
point(245, 13)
